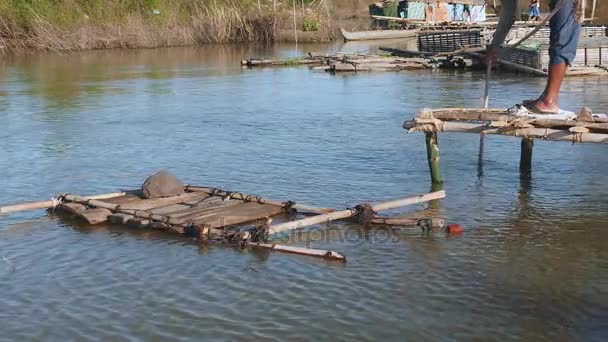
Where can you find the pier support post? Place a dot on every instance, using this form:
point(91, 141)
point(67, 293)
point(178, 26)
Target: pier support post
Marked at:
point(525, 160)
point(432, 152)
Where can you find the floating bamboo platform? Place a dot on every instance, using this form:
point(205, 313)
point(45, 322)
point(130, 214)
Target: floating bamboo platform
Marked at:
point(210, 214)
point(394, 60)
point(583, 128)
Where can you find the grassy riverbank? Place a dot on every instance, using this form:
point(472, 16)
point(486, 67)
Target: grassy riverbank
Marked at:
point(70, 25)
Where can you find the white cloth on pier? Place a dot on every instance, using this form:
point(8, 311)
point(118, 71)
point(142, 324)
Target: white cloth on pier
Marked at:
point(522, 111)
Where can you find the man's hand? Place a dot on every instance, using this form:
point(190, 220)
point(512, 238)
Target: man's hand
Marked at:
point(490, 57)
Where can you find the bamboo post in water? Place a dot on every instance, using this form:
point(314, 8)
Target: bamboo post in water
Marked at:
point(525, 160)
point(432, 152)
point(486, 103)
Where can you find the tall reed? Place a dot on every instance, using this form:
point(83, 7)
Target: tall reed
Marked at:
point(65, 25)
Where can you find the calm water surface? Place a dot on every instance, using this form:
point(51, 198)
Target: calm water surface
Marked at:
point(532, 263)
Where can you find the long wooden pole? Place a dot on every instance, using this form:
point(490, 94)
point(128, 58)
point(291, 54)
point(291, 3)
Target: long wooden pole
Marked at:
point(342, 214)
point(295, 29)
point(486, 102)
point(320, 253)
point(593, 10)
point(49, 204)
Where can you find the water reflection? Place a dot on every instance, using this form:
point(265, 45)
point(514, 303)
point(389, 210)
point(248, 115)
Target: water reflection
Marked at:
point(532, 254)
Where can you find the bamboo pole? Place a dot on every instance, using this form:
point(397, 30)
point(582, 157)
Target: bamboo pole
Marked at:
point(295, 29)
point(432, 152)
point(593, 10)
point(486, 94)
point(49, 204)
point(327, 254)
point(486, 102)
point(584, 9)
point(342, 214)
point(537, 133)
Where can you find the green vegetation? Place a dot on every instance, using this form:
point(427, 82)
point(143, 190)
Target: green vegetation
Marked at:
point(65, 25)
point(311, 23)
point(292, 61)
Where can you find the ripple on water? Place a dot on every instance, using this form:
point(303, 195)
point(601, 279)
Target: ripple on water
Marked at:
point(531, 264)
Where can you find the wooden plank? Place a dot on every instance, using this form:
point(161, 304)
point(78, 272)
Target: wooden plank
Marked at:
point(190, 214)
point(131, 204)
point(95, 216)
point(239, 214)
point(186, 209)
point(148, 204)
point(202, 202)
point(127, 198)
point(71, 208)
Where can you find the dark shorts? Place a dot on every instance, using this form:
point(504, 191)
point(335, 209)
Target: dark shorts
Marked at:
point(565, 31)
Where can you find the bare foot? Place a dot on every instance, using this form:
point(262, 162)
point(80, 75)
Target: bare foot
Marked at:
point(541, 107)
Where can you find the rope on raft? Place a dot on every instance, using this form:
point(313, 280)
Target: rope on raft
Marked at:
point(288, 206)
point(364, 214)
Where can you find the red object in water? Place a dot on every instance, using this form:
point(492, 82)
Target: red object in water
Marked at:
point(454, 229)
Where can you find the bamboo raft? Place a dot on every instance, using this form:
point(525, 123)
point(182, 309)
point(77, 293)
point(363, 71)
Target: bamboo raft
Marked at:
point(393, 60)
point(210, 214)
point(583, 128)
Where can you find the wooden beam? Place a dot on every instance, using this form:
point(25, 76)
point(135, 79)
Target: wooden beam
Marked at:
point(481, 114)
point(536, 133)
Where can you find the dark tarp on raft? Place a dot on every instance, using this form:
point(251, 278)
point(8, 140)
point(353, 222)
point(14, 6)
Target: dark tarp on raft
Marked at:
point(162, 184)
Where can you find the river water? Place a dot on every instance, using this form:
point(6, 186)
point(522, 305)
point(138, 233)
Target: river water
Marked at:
point(532, 263)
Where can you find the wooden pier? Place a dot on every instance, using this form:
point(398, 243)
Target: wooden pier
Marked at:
point(584, 128)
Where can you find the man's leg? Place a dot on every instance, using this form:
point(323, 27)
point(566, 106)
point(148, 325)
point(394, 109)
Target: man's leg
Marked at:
point(565, 31)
